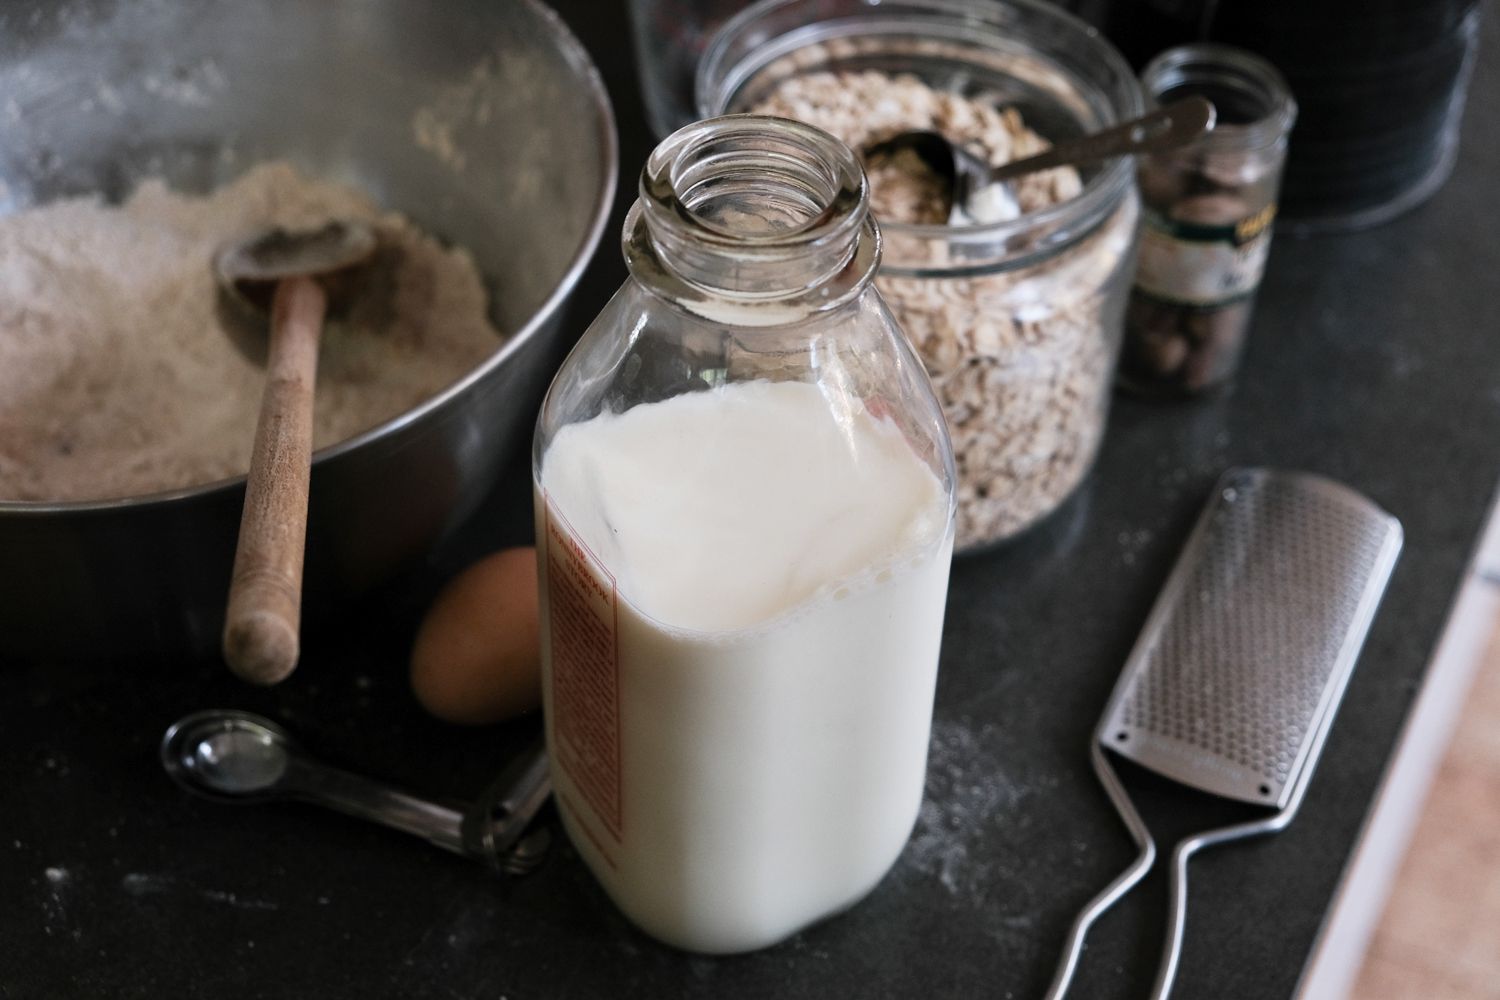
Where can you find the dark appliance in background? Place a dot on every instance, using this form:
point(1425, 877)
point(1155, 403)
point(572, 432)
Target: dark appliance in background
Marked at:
point(1380, 85)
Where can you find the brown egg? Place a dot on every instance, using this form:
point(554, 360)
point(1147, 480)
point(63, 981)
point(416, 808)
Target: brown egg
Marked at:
point(476, 658)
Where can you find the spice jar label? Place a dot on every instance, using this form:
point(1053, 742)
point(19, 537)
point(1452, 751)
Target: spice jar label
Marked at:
point(1189, 263)
point(584, 618)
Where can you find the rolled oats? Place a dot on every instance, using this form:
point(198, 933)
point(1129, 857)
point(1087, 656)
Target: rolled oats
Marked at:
point(1022, 357)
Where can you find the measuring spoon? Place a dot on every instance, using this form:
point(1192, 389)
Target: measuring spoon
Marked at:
point(232, 756)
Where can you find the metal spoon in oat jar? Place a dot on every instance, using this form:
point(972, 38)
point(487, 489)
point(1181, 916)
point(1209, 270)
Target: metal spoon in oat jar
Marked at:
point(294, 273)
point(978, 192)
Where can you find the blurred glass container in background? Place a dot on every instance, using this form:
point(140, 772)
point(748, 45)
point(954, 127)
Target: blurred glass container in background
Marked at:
point(1380, 88)
point(1209, 210)
point(670, 36)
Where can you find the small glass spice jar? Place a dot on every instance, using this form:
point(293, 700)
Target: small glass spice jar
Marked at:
point(1207, 221)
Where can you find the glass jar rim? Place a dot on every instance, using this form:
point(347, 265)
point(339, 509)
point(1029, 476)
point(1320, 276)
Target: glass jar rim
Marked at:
point(664, 200)
point(1213, 62)
point(817, 249)
point(719, 81)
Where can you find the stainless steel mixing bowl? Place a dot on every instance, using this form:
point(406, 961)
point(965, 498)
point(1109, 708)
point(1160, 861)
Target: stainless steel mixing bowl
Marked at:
point(482, 120)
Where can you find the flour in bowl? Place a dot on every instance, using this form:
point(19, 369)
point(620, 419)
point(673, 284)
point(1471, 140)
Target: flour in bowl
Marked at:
point(118, 376)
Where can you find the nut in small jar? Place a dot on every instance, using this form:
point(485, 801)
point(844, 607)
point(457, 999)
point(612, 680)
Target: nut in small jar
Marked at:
point(1208, 214)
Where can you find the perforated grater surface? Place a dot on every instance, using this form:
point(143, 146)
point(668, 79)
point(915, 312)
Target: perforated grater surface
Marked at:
point(1233, 683)
point(1253, 638)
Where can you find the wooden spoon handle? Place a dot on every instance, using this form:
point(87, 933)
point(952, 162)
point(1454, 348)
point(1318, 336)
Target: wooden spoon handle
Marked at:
point(265, 593)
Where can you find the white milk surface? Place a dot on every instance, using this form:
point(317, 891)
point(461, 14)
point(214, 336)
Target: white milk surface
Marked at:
point(742, 603)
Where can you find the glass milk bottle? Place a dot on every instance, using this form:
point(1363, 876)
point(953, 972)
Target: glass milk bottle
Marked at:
point(744, 506)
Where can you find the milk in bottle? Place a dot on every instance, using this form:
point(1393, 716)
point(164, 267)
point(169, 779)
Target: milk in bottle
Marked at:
point(744, 524)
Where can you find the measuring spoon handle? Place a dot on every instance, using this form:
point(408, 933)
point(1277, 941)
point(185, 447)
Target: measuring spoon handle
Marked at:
point(1169, 127)
point(363, 798)
point(487, 830)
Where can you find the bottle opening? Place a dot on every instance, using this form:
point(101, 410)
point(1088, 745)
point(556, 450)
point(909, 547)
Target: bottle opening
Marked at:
point(753, 208)
point(754, 187)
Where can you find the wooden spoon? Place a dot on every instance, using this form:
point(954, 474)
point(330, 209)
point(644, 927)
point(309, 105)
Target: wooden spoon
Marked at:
point(291, 271)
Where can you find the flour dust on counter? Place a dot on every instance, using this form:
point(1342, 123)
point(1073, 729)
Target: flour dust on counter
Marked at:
point(968, 789)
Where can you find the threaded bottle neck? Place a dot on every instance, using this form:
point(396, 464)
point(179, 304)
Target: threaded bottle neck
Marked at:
point(765, 215)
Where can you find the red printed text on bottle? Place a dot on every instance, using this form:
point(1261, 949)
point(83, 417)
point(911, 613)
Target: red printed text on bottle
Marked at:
point(583, 615)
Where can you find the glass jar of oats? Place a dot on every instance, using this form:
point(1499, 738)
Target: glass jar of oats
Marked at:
point(1017, 317)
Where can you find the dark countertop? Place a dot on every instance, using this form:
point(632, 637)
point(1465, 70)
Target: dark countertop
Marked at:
point(1375, 359)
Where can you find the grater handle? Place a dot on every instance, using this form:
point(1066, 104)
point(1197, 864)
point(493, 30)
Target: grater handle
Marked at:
point(1122, 884)
point(1171, 954)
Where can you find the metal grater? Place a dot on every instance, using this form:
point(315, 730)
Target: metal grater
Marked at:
point(1233, 683)
point(1245, 656)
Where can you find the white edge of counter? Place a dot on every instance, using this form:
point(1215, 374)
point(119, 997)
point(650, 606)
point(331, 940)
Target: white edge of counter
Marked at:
point(1359, 901)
